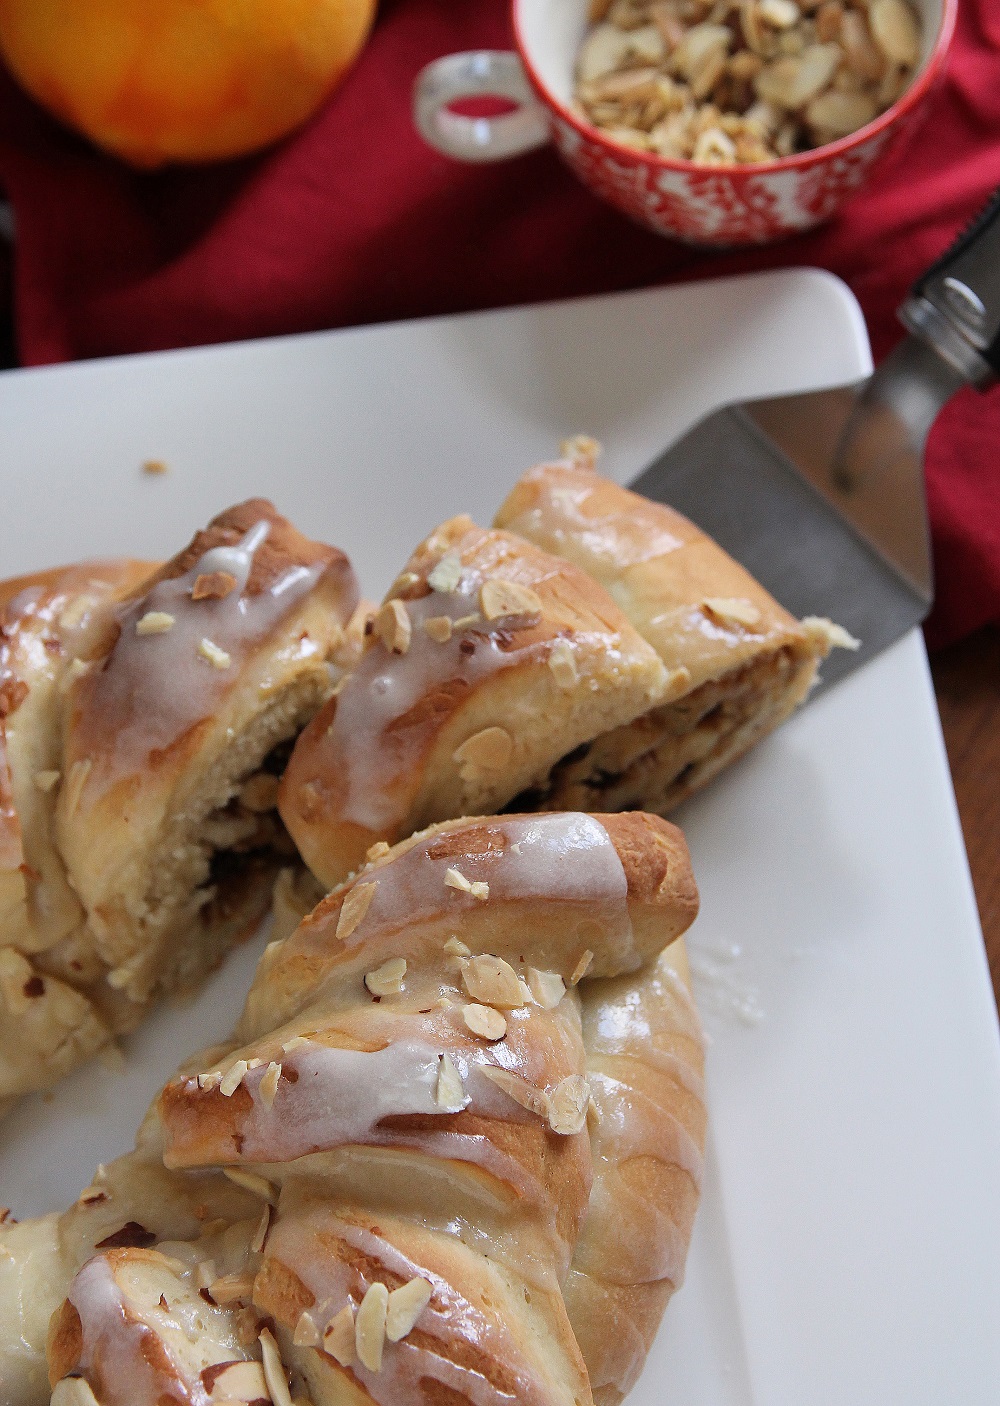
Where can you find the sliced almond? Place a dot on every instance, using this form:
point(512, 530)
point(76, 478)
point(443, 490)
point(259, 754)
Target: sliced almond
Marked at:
point(393, 627)
point(259, 1239)
point(211, 1079)
point(205, 1274)
point(562, 662)
point(794, 80)
point(213, 585)
point(307, 1334)
point(833, 636)
point(369, 1327)
point(76, 670)
point(232, 1288)
point(405, 1306)
point(701, 43)
point(354, 908)
point(603, 50)
point(46, 781)
point(339, 1338)
point(582, 968)
point(215, 656)
point(377, 850)
point(251, 1181)
point(894, 29)
point(714, 148)
point(387, 980)
point(840, 114)
point(274, 1370)
point(582, 450)
point(268, 1086)
point(449, 1092)
point(485, 1021)
point(488, 750)
point(779, 14)
point(233, 1078)
point(73, 1391)
point(519, 1089)
point(75, 783)
point(499, 599)
point(446, 575)
point(863, 56)
point(735, 610)
point(455, 947)
point(455, 879)
point(547, 988)
point(492, 982)
point(154, 622)
point(235, 1381)
point(439, 628)
point(403, 582)
point(568, 1105)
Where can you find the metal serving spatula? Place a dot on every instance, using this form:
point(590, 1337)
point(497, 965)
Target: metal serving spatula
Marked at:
point(821, 496)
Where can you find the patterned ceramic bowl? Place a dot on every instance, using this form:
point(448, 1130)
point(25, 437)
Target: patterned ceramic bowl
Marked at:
point(722, 205)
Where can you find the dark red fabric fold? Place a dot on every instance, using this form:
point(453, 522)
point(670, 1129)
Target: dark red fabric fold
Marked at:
point(354, 220)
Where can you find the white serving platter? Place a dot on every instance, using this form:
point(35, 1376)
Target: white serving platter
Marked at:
point(848, 1246)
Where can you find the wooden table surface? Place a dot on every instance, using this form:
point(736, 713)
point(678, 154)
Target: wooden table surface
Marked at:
point(967, 683)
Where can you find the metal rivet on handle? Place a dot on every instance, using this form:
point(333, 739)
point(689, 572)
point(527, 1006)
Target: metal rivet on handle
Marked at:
point(965, 304)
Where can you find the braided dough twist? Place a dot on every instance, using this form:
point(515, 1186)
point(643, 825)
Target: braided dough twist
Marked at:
point(476, 1172)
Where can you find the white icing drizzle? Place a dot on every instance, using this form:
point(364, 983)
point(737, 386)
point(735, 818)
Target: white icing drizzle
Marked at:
point(115, 1348)
point(563, 857)
point(34, 621)
point(339, 1097)
point(655, 1247)
point(630, 1124)
point(153, 688)
point(113, 1342)
point(368, 751)
point(602, 544)
point(628, 1022)
point(448, 1316)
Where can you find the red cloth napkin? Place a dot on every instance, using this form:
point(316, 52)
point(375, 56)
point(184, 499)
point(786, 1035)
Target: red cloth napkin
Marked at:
point(354, 220)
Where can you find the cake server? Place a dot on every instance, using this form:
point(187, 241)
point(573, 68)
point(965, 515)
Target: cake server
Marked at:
point(821, 495)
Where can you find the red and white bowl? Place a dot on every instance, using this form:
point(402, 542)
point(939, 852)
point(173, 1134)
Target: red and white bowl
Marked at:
point(722, 205)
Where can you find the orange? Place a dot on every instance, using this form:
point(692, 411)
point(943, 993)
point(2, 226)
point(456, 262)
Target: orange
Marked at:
point(182, 80)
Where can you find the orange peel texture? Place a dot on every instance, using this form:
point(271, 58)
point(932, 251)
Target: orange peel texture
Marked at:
point(157, 81)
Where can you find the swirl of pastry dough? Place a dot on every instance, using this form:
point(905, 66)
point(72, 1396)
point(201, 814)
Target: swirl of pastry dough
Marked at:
point(142, 715)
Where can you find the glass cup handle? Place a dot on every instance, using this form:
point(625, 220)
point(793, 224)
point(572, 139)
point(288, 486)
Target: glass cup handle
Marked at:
point(491, 73)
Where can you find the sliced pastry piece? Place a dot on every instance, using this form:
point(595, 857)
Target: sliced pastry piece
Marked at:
point(464, 1103)
point(145, 723)
point(47, 1025)
point(739, 664)
point(488, 662)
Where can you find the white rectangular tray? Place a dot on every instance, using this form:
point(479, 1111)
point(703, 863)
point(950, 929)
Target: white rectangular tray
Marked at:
point(848, 1247)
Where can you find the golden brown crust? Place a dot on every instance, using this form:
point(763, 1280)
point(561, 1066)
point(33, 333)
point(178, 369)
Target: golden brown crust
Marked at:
point(65, 1342)
point(283, 547)
point(121, 765)
point(661, 568)
point(655, 858)
point(549, 1235)
point(397, 748)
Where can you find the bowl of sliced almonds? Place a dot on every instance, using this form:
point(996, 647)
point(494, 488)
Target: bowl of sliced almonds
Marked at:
point(721, 122)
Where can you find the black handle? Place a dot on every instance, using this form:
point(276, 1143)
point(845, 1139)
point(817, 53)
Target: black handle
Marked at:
point(956, 304)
